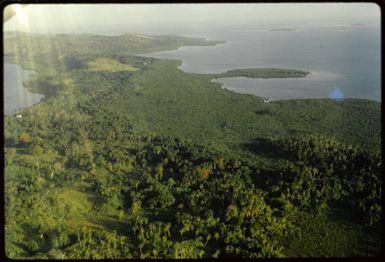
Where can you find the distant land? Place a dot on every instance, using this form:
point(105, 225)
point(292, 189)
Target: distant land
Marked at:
point(283, 29)
point(262, 73)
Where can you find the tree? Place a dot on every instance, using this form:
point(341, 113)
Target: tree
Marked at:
point(10, 154)
point(37, 150)
point(25, 139)
point(72, 62)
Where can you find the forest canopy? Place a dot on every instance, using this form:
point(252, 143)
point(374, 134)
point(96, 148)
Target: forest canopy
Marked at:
point(130, 157)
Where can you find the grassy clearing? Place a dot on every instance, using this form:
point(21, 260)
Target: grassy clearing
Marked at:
point(74, 202)
point(109, 65)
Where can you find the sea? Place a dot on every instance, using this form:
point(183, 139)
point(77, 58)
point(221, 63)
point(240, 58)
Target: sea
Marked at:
point(344, 59)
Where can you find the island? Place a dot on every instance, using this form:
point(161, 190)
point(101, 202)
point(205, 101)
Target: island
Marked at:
point(262, 73)
point(282, 29)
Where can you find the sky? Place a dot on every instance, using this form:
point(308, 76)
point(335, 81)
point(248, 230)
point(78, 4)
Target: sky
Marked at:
point(43, 18)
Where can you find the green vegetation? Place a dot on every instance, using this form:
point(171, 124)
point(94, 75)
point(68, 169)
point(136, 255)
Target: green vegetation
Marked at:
point(158, 163)
point(36, 51)
point(335, 237)
point(262, 73)
point(109, 65)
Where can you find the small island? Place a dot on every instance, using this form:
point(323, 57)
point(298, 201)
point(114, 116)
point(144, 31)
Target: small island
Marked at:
point(282, 29)
point(262, 73)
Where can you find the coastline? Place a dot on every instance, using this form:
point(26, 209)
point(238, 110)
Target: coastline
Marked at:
point(23, 97)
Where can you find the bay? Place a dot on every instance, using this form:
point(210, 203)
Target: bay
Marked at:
point(343, 57)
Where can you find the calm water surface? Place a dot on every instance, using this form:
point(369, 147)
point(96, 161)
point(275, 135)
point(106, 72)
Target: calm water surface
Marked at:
point(345, 57)
point(16, 96)
point(338, 56)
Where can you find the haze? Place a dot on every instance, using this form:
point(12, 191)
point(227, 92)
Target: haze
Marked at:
point(44, 18)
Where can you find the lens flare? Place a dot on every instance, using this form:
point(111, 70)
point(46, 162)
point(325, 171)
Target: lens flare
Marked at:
point(336, 94)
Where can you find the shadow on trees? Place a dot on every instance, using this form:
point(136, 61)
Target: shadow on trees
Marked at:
point(265, 146)
point(121, 228)
point(343, 211)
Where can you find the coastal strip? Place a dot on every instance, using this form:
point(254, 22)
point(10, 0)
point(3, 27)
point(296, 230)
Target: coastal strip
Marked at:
point(261, 73)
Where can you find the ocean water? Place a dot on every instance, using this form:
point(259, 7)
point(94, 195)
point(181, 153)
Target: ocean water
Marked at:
point(16, 96)
point(343, 57)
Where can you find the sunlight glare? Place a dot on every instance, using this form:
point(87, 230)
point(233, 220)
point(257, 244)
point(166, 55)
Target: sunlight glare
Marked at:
point(21, 15)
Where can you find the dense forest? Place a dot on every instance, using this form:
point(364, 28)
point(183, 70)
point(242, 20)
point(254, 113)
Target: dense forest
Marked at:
point(129, 157)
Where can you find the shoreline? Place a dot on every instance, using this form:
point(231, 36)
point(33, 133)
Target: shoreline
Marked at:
point(33, 95)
